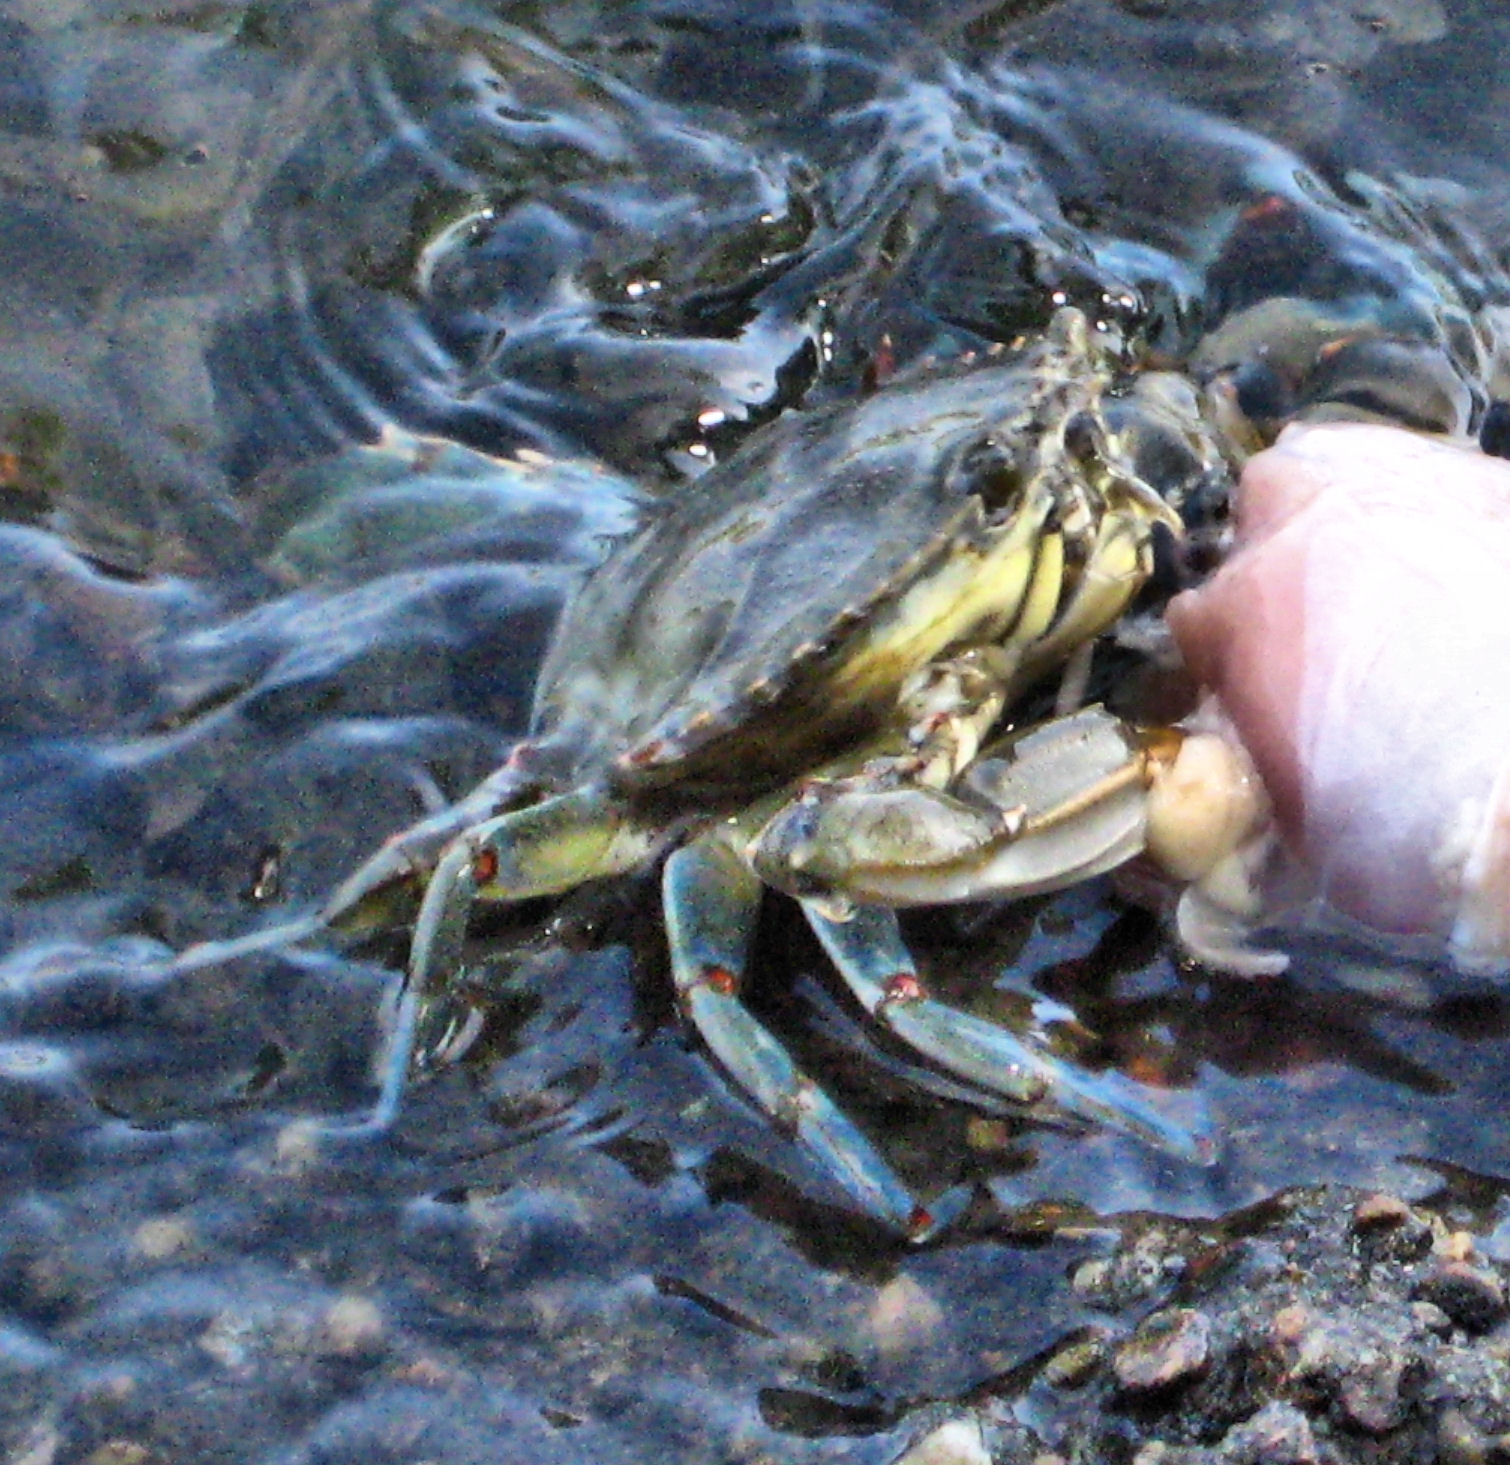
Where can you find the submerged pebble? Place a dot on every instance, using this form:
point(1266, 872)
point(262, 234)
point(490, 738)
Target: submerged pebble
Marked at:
point(958, 1442)
point(1169, 1347)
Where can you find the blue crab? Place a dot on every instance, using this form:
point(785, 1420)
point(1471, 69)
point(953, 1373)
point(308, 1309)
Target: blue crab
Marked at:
point(786, 678)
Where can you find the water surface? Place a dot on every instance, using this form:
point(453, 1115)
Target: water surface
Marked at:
point(279, 275)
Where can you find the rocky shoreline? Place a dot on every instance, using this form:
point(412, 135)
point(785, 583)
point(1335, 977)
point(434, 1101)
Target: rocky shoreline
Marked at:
point(1326, 1325)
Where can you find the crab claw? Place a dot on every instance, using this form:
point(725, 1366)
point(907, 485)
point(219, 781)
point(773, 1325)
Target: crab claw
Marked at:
point(1045, 810)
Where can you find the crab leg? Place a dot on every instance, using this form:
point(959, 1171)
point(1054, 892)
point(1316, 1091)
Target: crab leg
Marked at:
point(871, 956)
point(544, 849)
point(382, 892)
point(361, 904)
point(711, 902)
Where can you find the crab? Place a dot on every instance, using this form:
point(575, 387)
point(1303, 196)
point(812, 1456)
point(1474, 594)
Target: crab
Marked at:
point(790, 676)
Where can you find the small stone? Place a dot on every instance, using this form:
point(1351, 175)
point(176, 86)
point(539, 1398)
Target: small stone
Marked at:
point(988, 1136)
point(162, 1237)
point(111, 1390)
point(1370, 1395)
point(1459, 1440)
point(1430, 1318)
point(1090, 1278)
point(1074, 1364)
point(1319, 1353)
point(1390, 1230)
point(426, 1373)
point(1279, 1434)
point(1290, 1323)
point(119, 1452)
point(1161, 1452)
point(299, 1148)
point(1136, 1273)
point(1471, 1296)
point(352, 1327)
point(39, 1446)
point(956, 1442)
point(230, 1340)
point(1457, 1246)
point(1379, 1211)
point(904, 1315)
point(1168, 1347)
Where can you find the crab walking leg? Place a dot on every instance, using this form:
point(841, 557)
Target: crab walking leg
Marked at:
point(873, 959)
point(365, 901)
point(382, 893)
point(203, 954)
point(711, 902)
point(544, 849)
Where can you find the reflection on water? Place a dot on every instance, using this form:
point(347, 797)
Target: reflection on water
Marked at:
point(277, 276)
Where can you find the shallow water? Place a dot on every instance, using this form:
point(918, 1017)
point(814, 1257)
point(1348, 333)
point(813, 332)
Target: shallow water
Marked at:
point(255, 618)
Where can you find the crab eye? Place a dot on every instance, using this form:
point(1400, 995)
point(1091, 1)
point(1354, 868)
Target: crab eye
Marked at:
point(1494, 432)
point(1084, 437)
point(1166, 460)
point(1263, 395)
point(990, 471)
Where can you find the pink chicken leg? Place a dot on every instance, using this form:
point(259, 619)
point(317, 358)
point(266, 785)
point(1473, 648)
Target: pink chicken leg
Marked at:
point(1359, 642)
